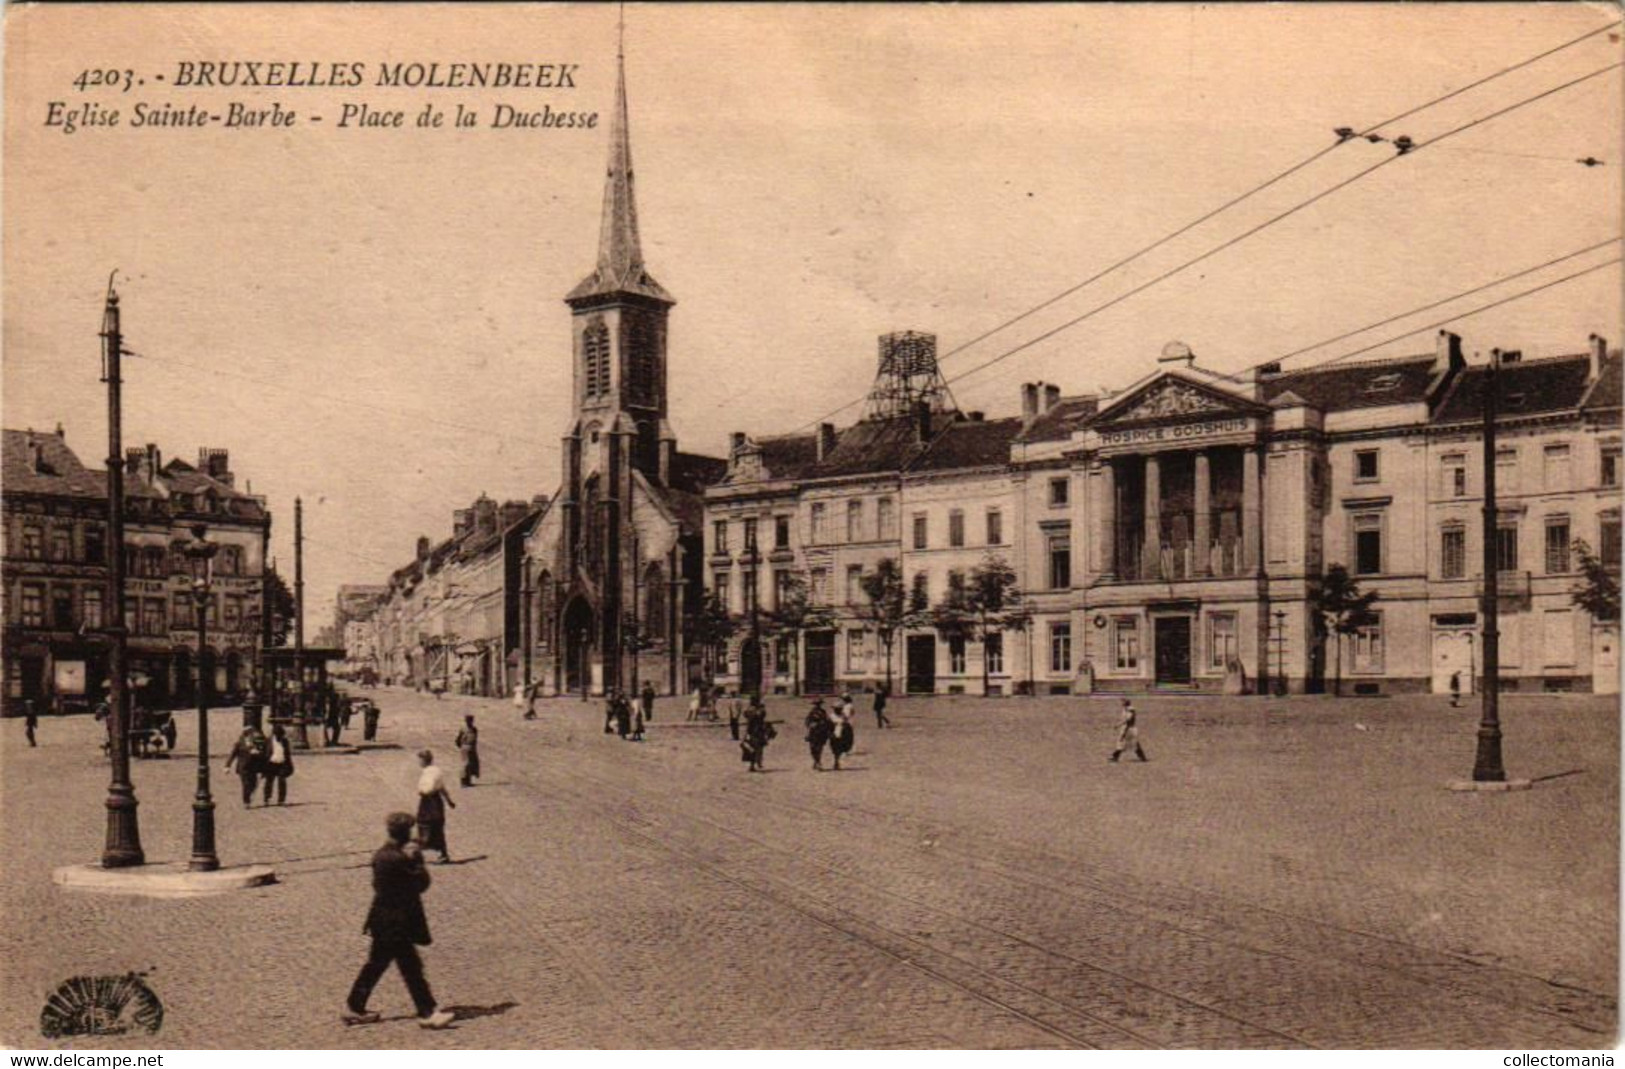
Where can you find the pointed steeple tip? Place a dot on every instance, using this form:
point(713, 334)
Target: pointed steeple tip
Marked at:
point(620, 251)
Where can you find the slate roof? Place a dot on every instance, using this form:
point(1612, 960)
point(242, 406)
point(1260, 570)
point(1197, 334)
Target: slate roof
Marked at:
point(692, 472)
point(969, 444)
point(789, 456)
point(1610, 387)
point(871, 447)
point(67, 477)
point(1527, 388)
point(1350, 386)
point(1057, 425)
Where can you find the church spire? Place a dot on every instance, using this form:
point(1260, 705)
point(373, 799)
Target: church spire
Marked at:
point(620, 253)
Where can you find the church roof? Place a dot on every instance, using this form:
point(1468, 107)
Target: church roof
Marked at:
point(620, 269)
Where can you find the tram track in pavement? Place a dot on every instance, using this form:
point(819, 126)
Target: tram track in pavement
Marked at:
point(1571, 1005)
point(1055, 1013)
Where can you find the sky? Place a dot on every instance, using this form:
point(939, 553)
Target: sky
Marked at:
point(372, 319)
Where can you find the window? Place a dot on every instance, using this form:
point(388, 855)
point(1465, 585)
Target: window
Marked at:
point(233, 618)
point(95, 545)
point(155, 563)
point(854, 521)
point(781, 588)
point(719, 536)
point(1557, 545)
point(93, 607)
point(885, 518)
point(1556, 471)
point(1365, 466)
point(781, 532)
point(920, 530)
point(33, 605)
point(1060, 647)
point(1058, 492)
point(857, 650)
point(1453, 471)
point(719, 586)
point(152, 616)
point(1368, 543)
point(854, 584)
point(62, 608)
point(230, 561)
point(820, 532)
point(1506, 547)
point(595, 358)
point(1506, 470)
point(132, 614)
point(956, 584)
point(1453, 552)
point(781, 655)
point(1608, 540)
point(993, 652)
point(1609, 473)
point(1221, 639)
point(995, 527)
point(1060, 561)
point(818, 586)
point(748, 587)
point(956, 655)
point(919, 597)
point(61, 543)
point(1368, 646)
point(1126, 641)
point(33, 542)
point(956, 527)
point(750, 536)
point(180, 612)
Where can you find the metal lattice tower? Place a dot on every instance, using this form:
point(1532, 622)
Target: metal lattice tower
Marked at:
point(906, 376)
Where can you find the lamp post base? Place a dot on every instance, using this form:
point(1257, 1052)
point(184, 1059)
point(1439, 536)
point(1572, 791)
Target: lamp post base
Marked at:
point(123, 832)
point(204, 859)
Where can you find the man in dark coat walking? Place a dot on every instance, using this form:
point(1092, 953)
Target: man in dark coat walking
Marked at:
point(398, 927)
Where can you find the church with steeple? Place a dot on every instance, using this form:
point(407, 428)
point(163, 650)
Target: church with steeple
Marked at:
point(613, 564)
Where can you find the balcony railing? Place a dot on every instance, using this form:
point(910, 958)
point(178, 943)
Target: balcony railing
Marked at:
point(1179, 557)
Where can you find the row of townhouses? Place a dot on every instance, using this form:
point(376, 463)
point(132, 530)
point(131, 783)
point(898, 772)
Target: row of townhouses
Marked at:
point(56, 573)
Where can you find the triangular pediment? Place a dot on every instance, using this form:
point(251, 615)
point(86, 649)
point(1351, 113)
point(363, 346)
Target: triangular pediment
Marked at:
point(1172, 397)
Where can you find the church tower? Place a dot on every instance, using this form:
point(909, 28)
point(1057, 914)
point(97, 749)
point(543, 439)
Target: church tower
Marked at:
point(619, 325)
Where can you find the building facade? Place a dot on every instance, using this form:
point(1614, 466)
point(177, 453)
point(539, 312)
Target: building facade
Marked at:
point(56, 574)
point(1176, 534)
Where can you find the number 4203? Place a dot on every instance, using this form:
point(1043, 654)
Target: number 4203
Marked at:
point(109, 79)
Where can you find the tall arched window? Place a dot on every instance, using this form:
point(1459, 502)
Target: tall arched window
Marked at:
point(545, 614)
point(654, 602)
point(595, 357)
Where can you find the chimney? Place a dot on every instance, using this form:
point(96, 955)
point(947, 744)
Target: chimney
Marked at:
point(1447, 353)
point(826, 441)
point(485, 515)
point(1265, 372)
point(1598, 350)
point(1052, 397)
point(132, 459)
point(539, 502)
point(736, 441)
point(216, 464)
point(461, 522)
point(60, 433)
point(423, 547)
point(1029, 403)
point(922, 421)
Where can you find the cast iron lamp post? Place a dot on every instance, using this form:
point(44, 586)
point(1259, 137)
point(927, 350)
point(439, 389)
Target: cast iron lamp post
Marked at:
point(204, 858)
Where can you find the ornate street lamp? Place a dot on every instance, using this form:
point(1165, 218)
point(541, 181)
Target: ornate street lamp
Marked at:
point(202, 552)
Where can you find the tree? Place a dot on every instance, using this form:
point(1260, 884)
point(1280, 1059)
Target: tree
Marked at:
point(635, 638)
point(1341, 609)
point(983, 603)
point(1598, 592)
point(888, 607)
point(278, 600)
point(709, 629)
point(794, 614)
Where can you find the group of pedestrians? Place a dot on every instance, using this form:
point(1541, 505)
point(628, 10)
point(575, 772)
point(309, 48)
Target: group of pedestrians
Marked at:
point(830, 728)
point(627, 718)
point(256, 757)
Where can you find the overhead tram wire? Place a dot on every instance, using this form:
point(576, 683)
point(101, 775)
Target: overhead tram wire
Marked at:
point(1236, 376)
point(1267, 183)
point(1463, 315)
point(1411, 150)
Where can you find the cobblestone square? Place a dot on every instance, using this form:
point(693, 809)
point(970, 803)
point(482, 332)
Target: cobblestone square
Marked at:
point(1279, 874)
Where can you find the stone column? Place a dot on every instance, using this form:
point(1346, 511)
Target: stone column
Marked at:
point(1106, 510)
point(1251, 554)
point(1151, 565)
point(1203, 534)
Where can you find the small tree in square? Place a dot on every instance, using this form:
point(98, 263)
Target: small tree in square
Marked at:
point(710, 628)
point(1341, 608)
point(1598, 592)
point(888, 607)
point(794, 614)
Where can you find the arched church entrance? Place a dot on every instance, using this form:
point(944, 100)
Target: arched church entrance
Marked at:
point(578, 618)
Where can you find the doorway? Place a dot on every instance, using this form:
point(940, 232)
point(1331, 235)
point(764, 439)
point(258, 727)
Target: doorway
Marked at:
point(750, 667)
point(1453, 656)
point(922, 664)
point(1173, 654)
point(820, 662)
point(578, 647)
